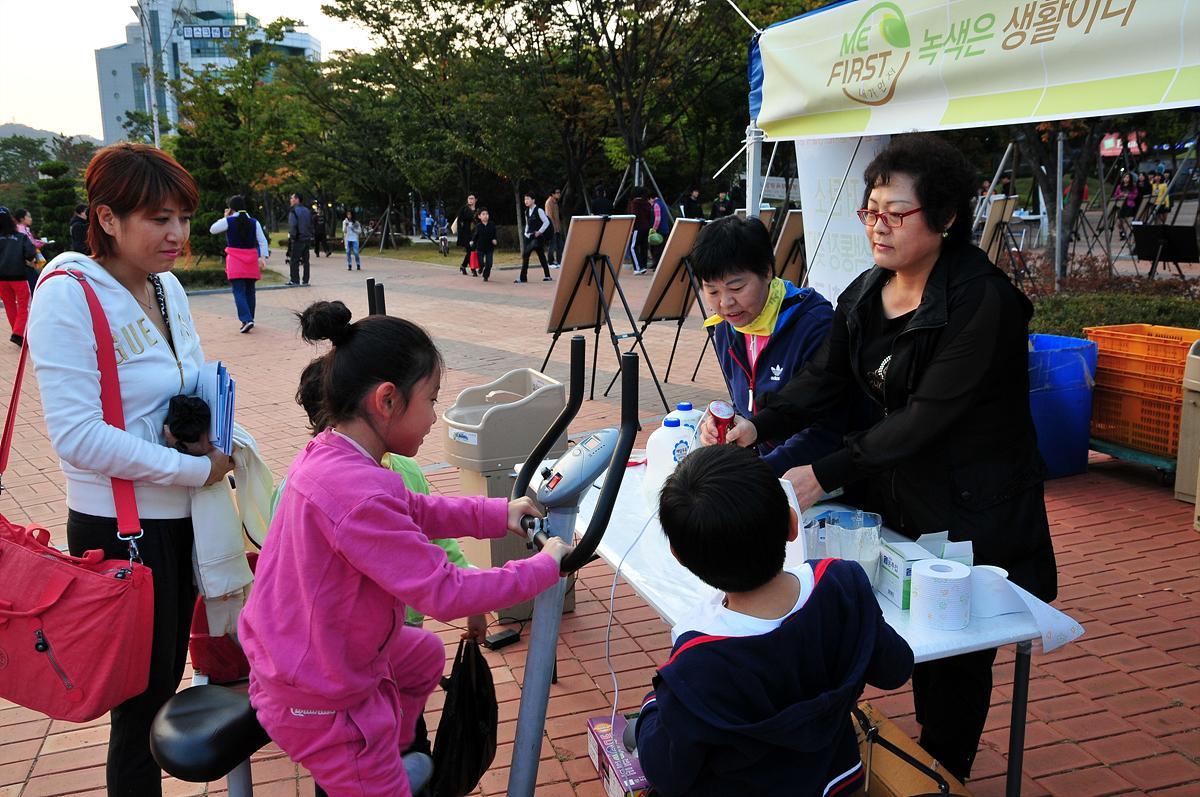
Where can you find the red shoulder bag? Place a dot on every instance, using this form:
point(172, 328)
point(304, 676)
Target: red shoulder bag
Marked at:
point(75, 632)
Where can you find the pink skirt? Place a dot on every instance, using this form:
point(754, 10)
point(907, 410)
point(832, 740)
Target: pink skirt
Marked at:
point(241, 264)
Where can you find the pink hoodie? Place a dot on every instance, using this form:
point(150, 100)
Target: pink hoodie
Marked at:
point(348, 549)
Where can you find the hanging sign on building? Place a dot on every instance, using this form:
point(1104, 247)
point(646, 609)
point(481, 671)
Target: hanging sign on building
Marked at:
point(211, 31)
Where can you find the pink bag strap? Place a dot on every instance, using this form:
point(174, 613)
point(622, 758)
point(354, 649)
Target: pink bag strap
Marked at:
point(129, 526)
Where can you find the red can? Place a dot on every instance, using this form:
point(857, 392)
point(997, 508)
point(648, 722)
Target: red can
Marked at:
point(722, 415)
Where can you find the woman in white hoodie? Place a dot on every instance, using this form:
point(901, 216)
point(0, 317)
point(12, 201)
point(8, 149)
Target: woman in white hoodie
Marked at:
point(140, 205)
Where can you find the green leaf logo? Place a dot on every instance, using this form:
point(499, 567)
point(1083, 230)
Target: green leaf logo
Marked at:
point(894, 31)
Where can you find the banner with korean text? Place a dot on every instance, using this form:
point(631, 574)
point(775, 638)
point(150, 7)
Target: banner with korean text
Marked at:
point(834, 239)
point(867, 67)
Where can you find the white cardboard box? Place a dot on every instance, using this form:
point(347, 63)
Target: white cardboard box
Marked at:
point(898, 554)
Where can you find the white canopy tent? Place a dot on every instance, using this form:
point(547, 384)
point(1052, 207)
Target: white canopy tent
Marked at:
point(865, 68)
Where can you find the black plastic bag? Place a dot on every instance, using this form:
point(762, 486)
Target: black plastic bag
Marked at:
point(465, 744)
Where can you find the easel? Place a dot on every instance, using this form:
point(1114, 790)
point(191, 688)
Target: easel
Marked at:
point(998, 235)
point(596, 270)
point(1170, 244)
point(793, 265)
point(675, 288)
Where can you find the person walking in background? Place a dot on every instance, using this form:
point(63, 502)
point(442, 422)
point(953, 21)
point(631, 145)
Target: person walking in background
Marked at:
point(300, 236)
point(1160, 197)
point(722, 206)
point(555, 236)
point(1125, 200)
point(483, 242)
point(643, 222)
point(320, 233)
point(351, 230)
point(692, 209)
point(464, 224)
point(246, 252)
point(16, 255)
point(601, 205)
point(662, 226)
point(140, 202)
point(537, 223)
point(24, 221)
point(79, 229)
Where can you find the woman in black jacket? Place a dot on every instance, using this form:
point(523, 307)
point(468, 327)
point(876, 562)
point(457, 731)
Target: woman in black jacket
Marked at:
point(465, 227)
point(937, 338)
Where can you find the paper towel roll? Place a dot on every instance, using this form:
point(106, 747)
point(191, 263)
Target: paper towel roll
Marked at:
point(991, 592)
point(940, 594)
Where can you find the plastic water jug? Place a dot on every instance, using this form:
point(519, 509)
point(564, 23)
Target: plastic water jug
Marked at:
point(689, 418)
point(665, 448)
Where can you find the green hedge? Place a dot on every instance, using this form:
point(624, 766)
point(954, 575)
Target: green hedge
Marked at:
point(1062, 314)
point(201, 278)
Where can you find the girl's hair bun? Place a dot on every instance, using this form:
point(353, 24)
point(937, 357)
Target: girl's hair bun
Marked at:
point(326, 321)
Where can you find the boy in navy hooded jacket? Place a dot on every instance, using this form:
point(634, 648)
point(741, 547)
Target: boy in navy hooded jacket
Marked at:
point(756, 695)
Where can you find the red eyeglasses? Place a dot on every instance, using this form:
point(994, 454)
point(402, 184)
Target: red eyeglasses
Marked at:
point(890, 219)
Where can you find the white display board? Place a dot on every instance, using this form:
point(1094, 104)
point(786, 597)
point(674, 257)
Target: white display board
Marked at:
point(841, 252)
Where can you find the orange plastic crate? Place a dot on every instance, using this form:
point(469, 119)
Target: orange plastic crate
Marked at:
point(1114, 361)
point(1139, 422)
point(1145, 386)
point(1145, 340)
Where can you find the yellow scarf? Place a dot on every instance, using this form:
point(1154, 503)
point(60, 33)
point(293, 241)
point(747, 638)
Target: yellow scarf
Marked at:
point(764, 324)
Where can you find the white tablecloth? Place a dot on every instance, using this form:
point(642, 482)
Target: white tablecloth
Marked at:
point(671, 590)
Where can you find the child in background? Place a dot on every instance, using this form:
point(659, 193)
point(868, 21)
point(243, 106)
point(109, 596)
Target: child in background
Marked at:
point(756, 695)
point(483, 241)
point(337, 679)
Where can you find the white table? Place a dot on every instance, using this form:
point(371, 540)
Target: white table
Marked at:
point(671, 590)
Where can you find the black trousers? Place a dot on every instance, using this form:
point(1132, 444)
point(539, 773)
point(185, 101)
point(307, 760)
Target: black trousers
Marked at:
point(534, 245)
point(298, 249)
point(485, 263)
point(166, 548)
point(320, 241)
point(952, 697)
point(640, 249)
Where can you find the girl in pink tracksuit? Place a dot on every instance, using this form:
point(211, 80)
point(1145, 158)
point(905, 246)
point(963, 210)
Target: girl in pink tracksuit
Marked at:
point(337, 679)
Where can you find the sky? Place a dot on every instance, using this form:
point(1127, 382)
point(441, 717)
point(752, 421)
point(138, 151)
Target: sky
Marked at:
point(48, 57)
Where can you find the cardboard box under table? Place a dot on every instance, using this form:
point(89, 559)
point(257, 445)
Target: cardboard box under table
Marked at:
point(619, 770)
point(671, 591)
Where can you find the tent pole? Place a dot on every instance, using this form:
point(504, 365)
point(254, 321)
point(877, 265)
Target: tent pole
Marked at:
point(987, 198)
point(754, 145)
point(1058, 223)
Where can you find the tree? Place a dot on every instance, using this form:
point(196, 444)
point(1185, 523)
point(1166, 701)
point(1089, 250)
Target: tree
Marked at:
point(58, 197)
point(19, 159)
point(1038, 144)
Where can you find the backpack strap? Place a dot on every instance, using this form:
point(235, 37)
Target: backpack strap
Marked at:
point(129, 526)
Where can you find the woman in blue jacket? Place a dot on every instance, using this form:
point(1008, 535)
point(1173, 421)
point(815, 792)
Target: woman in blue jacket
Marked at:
point(766, 329)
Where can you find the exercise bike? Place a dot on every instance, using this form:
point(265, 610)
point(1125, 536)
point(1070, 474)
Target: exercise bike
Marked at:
point(208, 732)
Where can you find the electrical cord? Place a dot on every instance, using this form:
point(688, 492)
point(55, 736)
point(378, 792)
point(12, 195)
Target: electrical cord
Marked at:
point(612, 596)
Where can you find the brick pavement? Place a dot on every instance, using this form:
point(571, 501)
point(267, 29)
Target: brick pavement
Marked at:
point(1116, 713)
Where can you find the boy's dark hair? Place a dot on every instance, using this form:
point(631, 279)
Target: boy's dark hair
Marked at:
point(726, 517)
point(945, 181)
point(368, 352)
point(481, 209)
point(81, 208)
point(236, 202)
point(732, 244)
point(8, 225)
point(310, 394)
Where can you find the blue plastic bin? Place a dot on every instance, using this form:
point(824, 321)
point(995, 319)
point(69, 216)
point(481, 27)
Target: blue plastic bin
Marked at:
point(1062, 372)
